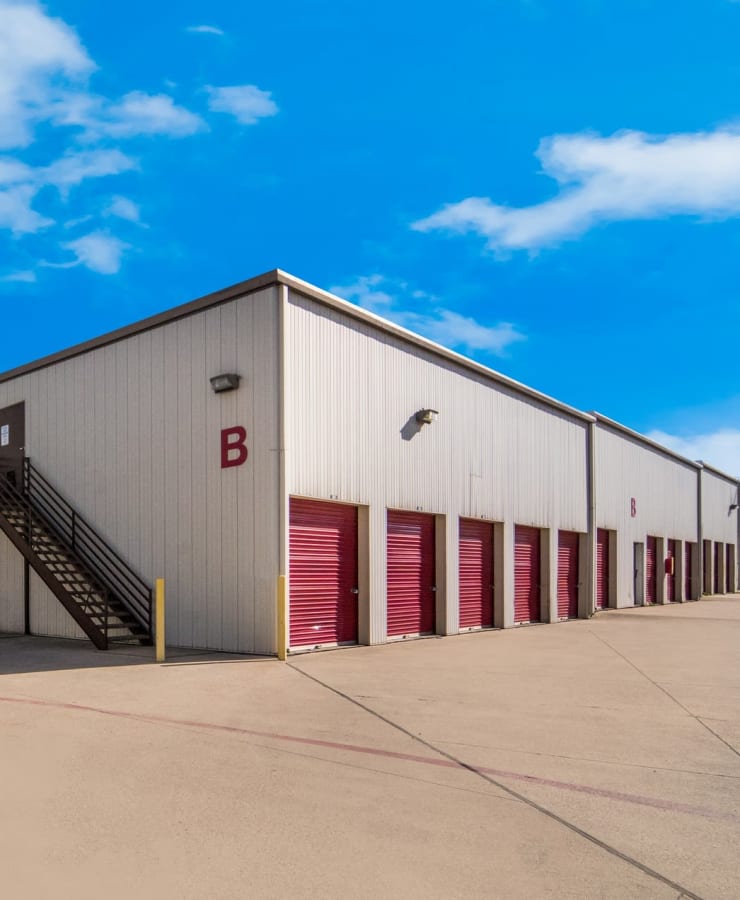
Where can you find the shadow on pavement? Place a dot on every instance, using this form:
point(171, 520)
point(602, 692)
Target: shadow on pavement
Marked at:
point(23, 653)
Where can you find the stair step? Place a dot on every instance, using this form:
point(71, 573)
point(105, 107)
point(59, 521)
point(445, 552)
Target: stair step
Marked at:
point(105, 615)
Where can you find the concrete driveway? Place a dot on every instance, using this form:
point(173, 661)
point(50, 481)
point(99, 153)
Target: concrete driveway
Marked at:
point(590, 759)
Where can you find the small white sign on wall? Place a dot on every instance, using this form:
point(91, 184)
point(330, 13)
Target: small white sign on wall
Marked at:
point(4, 435)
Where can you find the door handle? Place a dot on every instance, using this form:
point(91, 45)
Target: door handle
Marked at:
point(355, 591)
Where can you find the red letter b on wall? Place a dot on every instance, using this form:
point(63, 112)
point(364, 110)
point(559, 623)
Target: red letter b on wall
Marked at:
point(233, 446)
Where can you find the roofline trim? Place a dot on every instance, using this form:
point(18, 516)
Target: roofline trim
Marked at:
point(170, 315)
point(276, 277)
point(357, 312)
point(735, 480)
point(280, 277)
point(654, 445)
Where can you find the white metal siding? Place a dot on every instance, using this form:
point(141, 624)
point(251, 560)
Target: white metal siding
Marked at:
point(130, 433)
point(665, 494)
point(48, 616)
point(11, 587)
point(351, 395)
point(719, 523)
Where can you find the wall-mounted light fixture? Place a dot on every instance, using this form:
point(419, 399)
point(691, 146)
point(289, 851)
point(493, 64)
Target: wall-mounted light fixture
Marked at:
point(426, 416)
point(226, 382)
point(733, 506)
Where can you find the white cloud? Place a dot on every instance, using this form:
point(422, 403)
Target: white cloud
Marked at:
point(123, 208)
point(13, 171)
point(246, 102)
point(630, 175)
point(98, 251)
point(16, 211)
point(444, 326)
point(44, 75)
point(35, 52)
point(205, 29)
point(366, 291)
point(44, 87)
point(20, 184)
point(24, 275)
point(74, 168)
point(136, 114)
point(720, 448)
point(139, 113)
point(451, 329)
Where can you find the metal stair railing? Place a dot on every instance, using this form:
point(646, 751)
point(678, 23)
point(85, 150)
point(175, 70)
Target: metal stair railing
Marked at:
point(40, 498)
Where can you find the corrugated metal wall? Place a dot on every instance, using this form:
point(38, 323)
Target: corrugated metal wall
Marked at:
point(130, 433)
point(11, 587)
point(351, 394)
point(719, 523)
point(48, 616)
point(664, 491)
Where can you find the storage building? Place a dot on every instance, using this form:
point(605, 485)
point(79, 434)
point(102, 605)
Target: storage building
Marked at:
point(272, 440)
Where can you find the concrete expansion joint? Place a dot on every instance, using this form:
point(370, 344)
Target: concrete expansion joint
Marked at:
point(537, 807)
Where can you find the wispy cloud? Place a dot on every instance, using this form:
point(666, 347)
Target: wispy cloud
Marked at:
point(123, 208)
point(24, 275)
point(630, 175)
point(16, 211)
point(136, 114)
point(36, 51)
point(720, 448)
point(97, 251)
point(246, 102)
point(75, 167)
point(45, 75)
point(205, 29)
point(395, 301)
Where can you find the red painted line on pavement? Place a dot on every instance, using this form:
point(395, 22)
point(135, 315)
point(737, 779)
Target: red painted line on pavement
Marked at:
point(605, 793)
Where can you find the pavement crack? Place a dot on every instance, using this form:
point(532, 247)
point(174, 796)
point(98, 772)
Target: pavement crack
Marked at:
point(620, 764)
point(667, 693)
point(571, 826)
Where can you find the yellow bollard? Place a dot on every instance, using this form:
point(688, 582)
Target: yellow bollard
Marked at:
point(282, 634)
point(159, 618)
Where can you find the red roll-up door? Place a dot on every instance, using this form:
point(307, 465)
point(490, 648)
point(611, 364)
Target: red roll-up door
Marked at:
point(411, 576)
point(602, 568)
point(526, 574)
point(687, 593)
point(567, 575)
point(651, 570)
point(323, 573)
point(717, 553)
point(670, 582)
point(476, 574)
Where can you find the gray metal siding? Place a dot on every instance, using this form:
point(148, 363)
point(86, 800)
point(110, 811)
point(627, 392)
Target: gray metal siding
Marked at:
point(130, 433)
point(351, 395)
point(719, 523)
point(47, 615)
point(664, 490)
point(11, 587)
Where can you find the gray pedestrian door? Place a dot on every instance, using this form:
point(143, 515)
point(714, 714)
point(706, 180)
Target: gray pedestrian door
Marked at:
point(12, 442)
point(639, 567)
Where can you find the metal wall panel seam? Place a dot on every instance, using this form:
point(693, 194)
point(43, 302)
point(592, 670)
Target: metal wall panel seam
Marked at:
point(283, 486)
point(591, 521)
point(700, 531)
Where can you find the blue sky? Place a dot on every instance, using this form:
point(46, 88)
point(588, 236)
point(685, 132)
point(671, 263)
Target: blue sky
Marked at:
point(550, 187)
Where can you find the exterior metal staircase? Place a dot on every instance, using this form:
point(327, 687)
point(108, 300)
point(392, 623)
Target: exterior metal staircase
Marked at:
point(101, 592)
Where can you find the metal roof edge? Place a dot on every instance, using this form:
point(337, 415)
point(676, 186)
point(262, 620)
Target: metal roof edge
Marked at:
point(733, 478)
point(357, 312)
point(641, 438)
point(170, 315)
